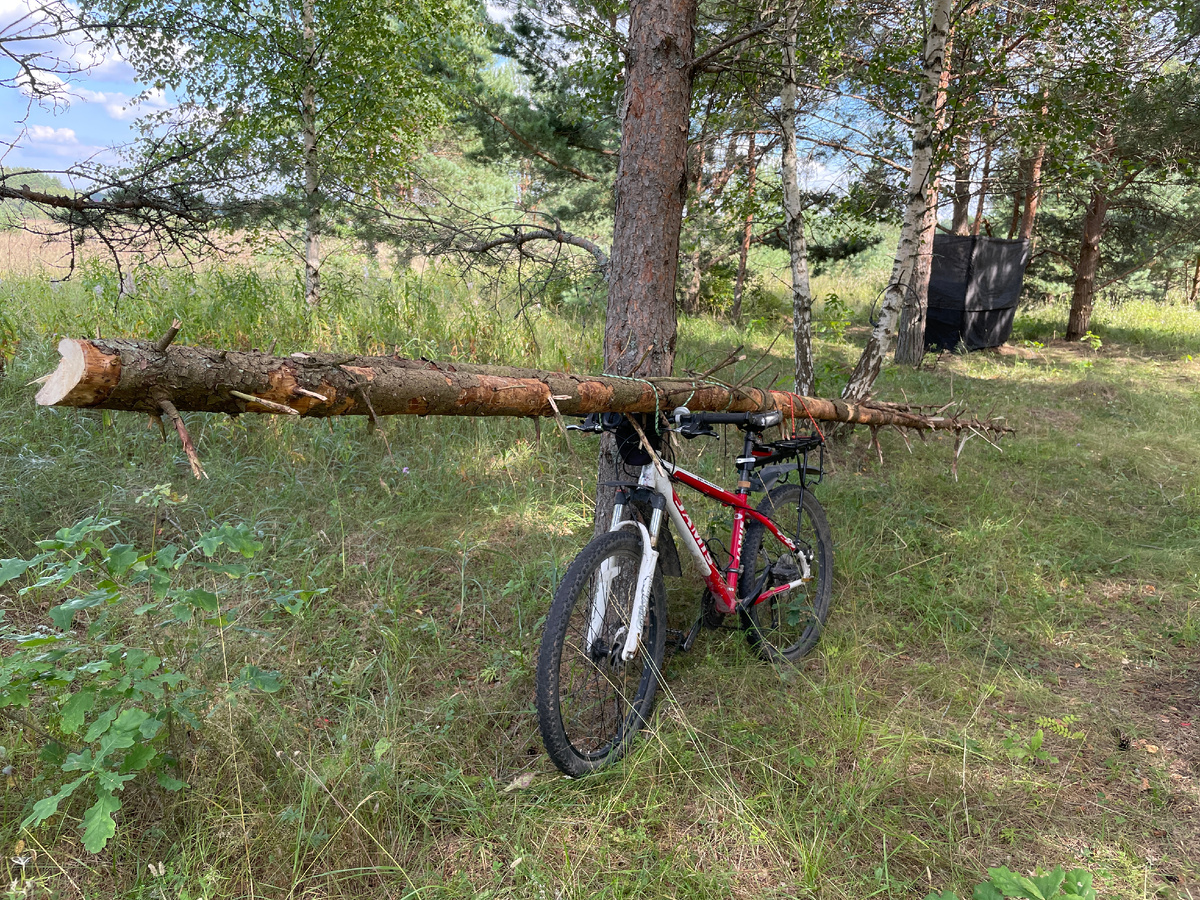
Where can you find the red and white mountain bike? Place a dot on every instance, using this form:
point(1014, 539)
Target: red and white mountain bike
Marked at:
point(602, 650)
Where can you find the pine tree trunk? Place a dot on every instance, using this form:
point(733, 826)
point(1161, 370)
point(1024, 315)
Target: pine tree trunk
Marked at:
point(1083, 297)
point(747, 231)
point(793, 212)
point(308, 125)
point(1194, 290)
point(1033, 192)
point(651, 186)
point(137, 376)
point(961, 222)
point(691, 293)
point(984, 182)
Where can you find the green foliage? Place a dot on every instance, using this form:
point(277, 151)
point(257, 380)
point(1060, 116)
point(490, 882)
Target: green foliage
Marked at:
point(833, 318)
point(1061, 727)
point(1003, 884)
point(1021, 750)
point(329, 99)
point(121, 706)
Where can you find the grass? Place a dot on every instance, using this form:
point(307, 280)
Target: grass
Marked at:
point(1055, 582)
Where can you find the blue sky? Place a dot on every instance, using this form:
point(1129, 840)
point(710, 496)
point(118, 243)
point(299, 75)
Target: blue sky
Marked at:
point(89, 114)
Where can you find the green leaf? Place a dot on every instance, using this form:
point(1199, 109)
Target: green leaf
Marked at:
point(1078, 883)
point(130, 720)
point(138, 758)
point(112, 781)
point(986, 891)
point(120, 559)
point(944, 895)
point(260, 680)
point(199, 598)
point(1048, 884)
point(66, 538)
point(233, 570)
point(114, 740)
point(63, 615)
point(168, 783)
point(237, 538)
point(1014, 884)
point(98, 825)
point(83, 761)
point(15, 568)
point(48, 806)
point(76, 707)
point(53, 753)
point(101, 724)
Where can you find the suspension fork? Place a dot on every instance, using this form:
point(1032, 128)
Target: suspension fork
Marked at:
point(645, 576)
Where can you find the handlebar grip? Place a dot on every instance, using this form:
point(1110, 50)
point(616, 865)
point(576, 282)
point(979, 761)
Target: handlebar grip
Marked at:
point(721, 418)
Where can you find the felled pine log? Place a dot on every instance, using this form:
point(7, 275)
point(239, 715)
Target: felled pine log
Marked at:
point(162, 379)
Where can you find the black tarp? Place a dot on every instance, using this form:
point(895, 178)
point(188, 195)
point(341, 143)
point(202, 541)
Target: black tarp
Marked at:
point(974, 286)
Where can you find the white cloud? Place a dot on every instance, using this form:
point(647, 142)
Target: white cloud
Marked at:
point(45, 134)
point(123, 108)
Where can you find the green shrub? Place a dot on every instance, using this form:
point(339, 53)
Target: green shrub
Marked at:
point(110, 696)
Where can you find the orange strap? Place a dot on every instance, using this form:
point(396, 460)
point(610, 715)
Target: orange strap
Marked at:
point(792, 397)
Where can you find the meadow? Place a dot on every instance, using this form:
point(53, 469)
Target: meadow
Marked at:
point(1008, 677)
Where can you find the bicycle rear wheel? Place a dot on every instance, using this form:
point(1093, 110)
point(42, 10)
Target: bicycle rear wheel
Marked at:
point(788, 625)
point(590, 702)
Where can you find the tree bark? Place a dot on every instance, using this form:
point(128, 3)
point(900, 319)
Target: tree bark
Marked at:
point(1033, 192)
point(794, 218)
point(312, 183)
point(639, 334)
point(1194, 290)
point(984, 180)
point(691, 294)
point(1083, 297)
point(651, 186)
point(961, 223)
point(907, 295)
point(137, 376)
point(747, 230)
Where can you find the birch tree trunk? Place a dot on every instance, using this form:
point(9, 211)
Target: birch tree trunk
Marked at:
point(308, 126)
point(794, 216)
point(747, 231)
point(915, 235)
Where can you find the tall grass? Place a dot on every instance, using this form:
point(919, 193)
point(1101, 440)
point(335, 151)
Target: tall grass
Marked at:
point(1045, 584)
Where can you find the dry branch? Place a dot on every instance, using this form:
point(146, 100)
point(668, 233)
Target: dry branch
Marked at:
point(137, 376)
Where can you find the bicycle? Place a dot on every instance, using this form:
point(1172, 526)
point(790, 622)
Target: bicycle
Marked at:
point(601, 653)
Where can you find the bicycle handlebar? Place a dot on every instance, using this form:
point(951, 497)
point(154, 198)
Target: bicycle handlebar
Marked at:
point(755, 420)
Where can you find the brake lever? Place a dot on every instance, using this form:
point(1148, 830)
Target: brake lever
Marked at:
point(694, 431)
point(591, 424)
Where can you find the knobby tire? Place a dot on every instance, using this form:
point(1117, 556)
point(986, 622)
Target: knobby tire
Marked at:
point(591, 704)
point(786, 627)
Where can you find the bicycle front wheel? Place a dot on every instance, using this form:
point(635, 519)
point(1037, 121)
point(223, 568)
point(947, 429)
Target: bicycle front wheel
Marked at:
point(786, 626)
point(591, 702)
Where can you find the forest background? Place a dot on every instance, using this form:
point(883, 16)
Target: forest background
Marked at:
point(338, 704)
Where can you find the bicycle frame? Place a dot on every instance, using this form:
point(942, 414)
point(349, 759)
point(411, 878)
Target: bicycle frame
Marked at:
point(723, 585)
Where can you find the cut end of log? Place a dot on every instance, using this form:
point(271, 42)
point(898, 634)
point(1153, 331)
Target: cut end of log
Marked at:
point(59, 383)
point(84, 377)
